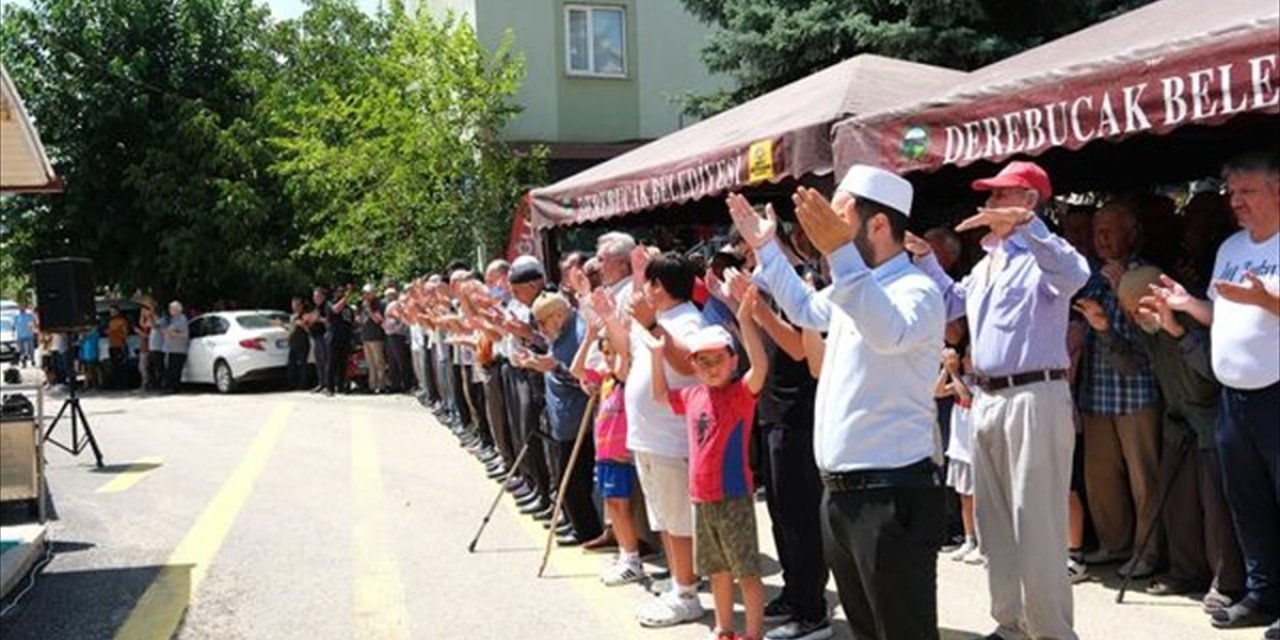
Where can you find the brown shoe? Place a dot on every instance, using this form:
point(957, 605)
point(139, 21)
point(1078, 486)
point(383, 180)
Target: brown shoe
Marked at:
point(604, 542)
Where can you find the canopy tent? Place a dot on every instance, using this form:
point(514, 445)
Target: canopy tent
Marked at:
point(1174, 65)
point(24, 168)
point(785, 134)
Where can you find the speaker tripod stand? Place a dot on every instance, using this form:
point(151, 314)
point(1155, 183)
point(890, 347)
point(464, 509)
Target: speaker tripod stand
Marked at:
point(71, 408)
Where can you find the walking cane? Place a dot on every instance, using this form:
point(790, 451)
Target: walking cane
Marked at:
point(583, 429)
point(1184, 447)
point(502, 488)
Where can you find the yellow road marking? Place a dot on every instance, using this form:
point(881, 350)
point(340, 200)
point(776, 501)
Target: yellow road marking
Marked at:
point(159, 611)
point(379, 593)
point(131, 475)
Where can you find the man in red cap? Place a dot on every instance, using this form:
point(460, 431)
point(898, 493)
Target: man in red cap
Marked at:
point(1017, 300)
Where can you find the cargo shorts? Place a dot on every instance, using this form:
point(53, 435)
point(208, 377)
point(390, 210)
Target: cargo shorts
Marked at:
point(725, 537)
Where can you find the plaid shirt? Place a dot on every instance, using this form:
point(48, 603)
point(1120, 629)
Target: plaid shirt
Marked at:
point(1104, 390)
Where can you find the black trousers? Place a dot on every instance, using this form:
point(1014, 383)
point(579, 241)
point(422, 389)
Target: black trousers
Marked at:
point(296, 368)
point(882, 547)
point(530, 399)
point(119, 375)
point(1248, 441)
point(460, 394)
point(173, 370)
point(479, 407)
point(495, 401)
point(339, 350)
point(430, 384)
point(401, 368)
point(156, 363)
point(578, 503)
point(793, 492)
point(321, 350)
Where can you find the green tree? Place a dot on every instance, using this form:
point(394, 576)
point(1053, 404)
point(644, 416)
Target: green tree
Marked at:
point(146, 108)
point(765, 44)
point(396, 163)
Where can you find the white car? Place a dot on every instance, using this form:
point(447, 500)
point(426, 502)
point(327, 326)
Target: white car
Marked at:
point(230, 347)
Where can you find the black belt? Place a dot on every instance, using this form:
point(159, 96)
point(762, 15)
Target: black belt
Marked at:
point(919, 474)
point(1018, 379)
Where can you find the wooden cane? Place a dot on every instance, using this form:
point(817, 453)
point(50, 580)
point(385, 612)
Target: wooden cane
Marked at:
point(564, 480)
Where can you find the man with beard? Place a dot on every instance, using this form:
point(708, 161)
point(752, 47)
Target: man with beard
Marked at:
point(882, 512)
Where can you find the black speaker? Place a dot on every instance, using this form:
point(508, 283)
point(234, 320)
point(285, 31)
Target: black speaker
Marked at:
point(64, 294)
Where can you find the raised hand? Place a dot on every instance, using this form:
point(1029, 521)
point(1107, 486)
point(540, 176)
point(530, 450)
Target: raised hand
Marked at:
point(602, 303)
point(747, 304)
point(1251, 291)
point(988, 217)
point(716, 286)
point(640, 257)
point(1155, 312)
point(1173, 294)
point(756, 230)
point(826, 230)
point(642, 310)
point(917, 246)
point(739, 283)
point(1112, 272)
point(578, 281)
point(1093, 313)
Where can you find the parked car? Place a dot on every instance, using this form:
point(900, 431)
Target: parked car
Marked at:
point(231, 347)
point(8, 340)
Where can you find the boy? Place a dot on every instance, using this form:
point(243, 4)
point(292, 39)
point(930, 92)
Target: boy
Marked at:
point(719, 412)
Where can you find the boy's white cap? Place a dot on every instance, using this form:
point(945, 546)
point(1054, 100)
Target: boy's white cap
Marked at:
point(711, 338)
point(890, 189)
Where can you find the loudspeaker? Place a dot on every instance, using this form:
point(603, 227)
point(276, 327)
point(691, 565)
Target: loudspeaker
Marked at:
point(64, 294)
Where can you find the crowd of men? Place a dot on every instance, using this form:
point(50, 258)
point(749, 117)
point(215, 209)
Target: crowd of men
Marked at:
point(1091, 374)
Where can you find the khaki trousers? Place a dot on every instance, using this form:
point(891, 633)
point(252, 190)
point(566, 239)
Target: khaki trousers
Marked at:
point(375, 352)
point(1122, 476)
point(1023, 441)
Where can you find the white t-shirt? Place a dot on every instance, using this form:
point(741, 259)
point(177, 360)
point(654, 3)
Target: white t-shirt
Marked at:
point(651, 426)
point(959, 446)
point(1245, 339)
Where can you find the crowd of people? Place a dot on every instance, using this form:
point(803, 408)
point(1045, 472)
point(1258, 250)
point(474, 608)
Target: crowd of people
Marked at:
point(1090, 367)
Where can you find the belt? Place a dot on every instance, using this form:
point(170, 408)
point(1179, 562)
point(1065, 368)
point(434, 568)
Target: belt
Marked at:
point(1019, 379)
point(919, 474)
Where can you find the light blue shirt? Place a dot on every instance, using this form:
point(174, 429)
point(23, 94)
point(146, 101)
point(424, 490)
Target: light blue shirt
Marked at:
point(24, 325)
point(874, 406)
point(1018, 314)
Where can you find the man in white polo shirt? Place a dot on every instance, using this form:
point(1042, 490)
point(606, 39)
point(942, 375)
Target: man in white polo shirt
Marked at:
point(883, 510)
point(655, 434)
point(1243, 312)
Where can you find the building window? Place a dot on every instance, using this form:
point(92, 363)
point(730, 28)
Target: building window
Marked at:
point(596, 41)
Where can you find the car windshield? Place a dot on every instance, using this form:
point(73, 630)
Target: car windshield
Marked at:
point(6, 324)
point(262, 320)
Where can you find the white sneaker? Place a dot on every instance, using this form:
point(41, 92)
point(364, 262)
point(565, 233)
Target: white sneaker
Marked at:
point(670, 609)
point(970, 545)
point(1076, 571)
point(622, 572)
point(975, 557)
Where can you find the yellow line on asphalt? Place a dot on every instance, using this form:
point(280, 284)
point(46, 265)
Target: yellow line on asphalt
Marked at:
point(159, 611)
point(379, 593)
point(131, 475)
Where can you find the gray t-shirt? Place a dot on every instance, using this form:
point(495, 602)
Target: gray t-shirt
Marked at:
point(175, 335)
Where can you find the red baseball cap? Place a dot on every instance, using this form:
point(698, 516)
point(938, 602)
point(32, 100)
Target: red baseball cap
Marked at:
point(1025, 175)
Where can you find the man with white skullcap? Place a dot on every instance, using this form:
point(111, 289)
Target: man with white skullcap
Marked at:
point(883, 509)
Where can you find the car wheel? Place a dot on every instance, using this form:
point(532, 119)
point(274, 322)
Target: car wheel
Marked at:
point(222, 377)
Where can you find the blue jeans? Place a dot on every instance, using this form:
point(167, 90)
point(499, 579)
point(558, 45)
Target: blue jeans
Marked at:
point(26, 350)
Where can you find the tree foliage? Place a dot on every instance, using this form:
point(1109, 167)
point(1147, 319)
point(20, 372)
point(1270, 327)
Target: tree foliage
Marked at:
point(765, 44)
point(211, 153)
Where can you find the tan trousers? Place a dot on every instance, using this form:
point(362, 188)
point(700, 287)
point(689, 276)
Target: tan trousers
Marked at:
point(375, 352)
point(1122, 476)
point(1023, 439)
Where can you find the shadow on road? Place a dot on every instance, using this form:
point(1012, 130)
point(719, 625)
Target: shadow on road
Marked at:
point(84, 604)
point(126, 466)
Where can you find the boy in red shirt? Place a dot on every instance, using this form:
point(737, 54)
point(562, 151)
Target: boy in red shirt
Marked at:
point(719, 412)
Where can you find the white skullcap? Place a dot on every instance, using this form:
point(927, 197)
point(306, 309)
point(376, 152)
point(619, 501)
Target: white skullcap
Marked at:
point(873, 183)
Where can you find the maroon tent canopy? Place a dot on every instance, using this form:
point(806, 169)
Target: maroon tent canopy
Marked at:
point(782, 134)
point(1150, 71)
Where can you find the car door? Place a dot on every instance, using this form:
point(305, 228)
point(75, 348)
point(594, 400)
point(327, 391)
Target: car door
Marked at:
point(217, 342)
point(197, 354)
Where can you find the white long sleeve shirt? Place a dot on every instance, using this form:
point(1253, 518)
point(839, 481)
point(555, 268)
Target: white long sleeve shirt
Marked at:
point(874, 408)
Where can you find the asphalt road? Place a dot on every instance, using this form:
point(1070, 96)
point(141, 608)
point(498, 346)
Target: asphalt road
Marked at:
point(293, 516)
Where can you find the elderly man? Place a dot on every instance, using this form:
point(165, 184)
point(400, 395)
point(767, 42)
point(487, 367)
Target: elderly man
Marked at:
point(613, 253)
point(1203, 554)
point(1017, 300)
point(527, 279)
point(566, 403)
point(1243, 312)
point(176, 339)
point(882, 512)
point(1121, 411)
